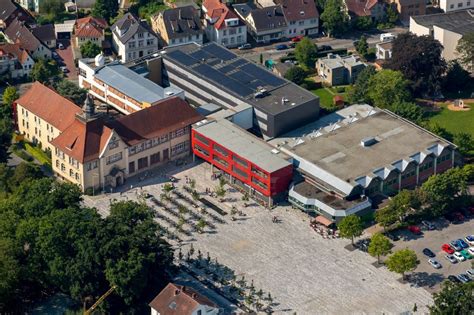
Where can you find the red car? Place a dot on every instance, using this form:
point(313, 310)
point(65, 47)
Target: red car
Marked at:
point(297, 38)
point(447, 248)
point(414, 229)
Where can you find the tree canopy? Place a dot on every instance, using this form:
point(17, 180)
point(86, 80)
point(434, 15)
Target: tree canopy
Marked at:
point(358, 92)
point(388, 87)
point(334, 17)
point(43, 71)
point(296, 75)
point(350, 227)
point(106, 9)
point(72, 91)
point(379, 246)
point(402, 261)
point(90, 49)
point(419, 59)
point(454, 298)
point(465, 49)
point(408, 110)
point(362, 46)
point(305, 53)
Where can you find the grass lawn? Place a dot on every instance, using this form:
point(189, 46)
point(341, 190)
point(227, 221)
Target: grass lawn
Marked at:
point(325, 97)
point(38, 154)
point(455, 122)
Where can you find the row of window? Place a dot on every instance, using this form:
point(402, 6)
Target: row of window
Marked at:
point(157, 141)
point(460, 5)
point(113, 158)
point(72, 173)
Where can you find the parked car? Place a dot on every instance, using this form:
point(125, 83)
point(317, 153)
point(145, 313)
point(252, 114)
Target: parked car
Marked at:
point(470, 250)
point(281, 47)
point(392, 236)
point(297, 38)
point(434, 263)
point(428, 225)
point(462, 243)
point(455, 245)
point(463, 278)
point(470, 239)
point(466, 254)
point(453, 279)
point(244, 46)
point(470, 273)
point(324, 47)
point(451, 217)
point(414, 229)
point(451, 259)
point(459, 216)
point(55, 55)
point(60, 46)
point(363, 244)
point(428, 252)
point(64, 69)
point(459, 256)
point(448, 249)
point(292, 44)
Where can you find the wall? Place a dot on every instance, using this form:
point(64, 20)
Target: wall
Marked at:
point(418, 29)
point(453, 5)
point(449, 40)
point(294, 117)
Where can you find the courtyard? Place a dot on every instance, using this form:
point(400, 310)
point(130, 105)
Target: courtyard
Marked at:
point(303, 272)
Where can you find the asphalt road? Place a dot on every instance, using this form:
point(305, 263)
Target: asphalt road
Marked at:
point(269, 51)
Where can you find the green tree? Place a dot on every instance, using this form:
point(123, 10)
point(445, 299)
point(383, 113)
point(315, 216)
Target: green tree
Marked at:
point(386, 217)
point(9, 271)
point(305, 53)
point(387, 87)
point(72, 91)
point(439, 131)
point(409, 110)
point(457, 78)
point(391, 14)
point(334, 18)
point(379, 246)
point(350, 227)
point(90, 49)
point(200, 225)
point(52, 7)
point(24, 172)
point(43, 71)
point(9, 95)
point(402, 261)
point(106, 9)
point(464, 141)
point(296, 75)
point(261, 59)
point(465, 49)
point(419, 59)
point(444, 190)
point(363, 23)
point(402, 204)
point(454, 298)
point(358, 92)
point(362, 46)
point(6, 130)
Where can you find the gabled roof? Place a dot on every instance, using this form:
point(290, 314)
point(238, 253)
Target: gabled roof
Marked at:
point(360, 7)
point(44, 32)
point(268, 18)
point(15, 50)
point(83, 141)
point(296, 10)
point(183, 21)
point(17, 32)
point(129, 25)
point(10, 10)
point(460, 22)
point(176, 299)
point(49, 106)
point(90, 27)
point(167, 115)
point(220, 12)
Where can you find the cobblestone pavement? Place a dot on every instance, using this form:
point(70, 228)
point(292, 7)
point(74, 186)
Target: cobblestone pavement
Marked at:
point(304, 272)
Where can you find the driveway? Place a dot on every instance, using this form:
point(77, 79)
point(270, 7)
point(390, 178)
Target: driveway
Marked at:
point(67, 58)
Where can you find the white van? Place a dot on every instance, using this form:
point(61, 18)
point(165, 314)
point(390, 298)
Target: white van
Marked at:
point(387, 37)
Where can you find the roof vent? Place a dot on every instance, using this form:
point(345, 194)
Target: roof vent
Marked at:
point(367, 142)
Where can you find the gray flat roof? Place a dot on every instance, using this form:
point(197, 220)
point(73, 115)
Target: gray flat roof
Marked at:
point(312, 192)
point(336, 148)
point(131, 84)
point(238, 76)
point(461, 22)
point(244, 144)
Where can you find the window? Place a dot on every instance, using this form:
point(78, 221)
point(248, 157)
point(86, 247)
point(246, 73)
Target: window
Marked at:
point(113, 158)
point(258, 172)
point(239, 172)
point(220, 161)
point(143, 162)
point(201, 150)
point(180, 148)
point(240, 161)
point(114, 143)
point(451, 6)
point(460, 5)
point(92, 165)
point(77, 176)
point(201, 138)
point(71, 173)
point(63, 168)
point(131, 167)
point(154, 158)
point(140, 43)
point(57, 163)
point(220, 150)
point(301, 23)
point(140, 35)
point(259, 183)
point(131, 45)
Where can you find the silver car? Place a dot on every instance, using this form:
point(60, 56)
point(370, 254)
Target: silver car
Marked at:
point(470, 273)
point(463, 278)
point(451, 259)
point(433, 262)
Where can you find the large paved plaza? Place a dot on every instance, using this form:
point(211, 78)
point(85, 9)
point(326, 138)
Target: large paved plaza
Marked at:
point(305, 273)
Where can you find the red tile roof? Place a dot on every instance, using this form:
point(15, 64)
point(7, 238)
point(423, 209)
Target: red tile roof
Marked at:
point(360, 7)
point(49, 106)
point(296, 10)
point(90, 27)
point(220, 11)
point(178, 300)
point(15, 50)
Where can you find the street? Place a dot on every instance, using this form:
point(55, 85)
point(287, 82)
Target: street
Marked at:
point(269, 51)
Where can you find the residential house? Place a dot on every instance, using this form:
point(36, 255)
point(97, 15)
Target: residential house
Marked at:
point(133, 38)
point(9, 11)
point(121, 87)
point(447, 28)
point(18, 33)
point(452, 5)
point(178, 26)
point(92, 151)
point(222, 25)
point(46, 34)
point(302, 17)
point(337, 70)
point(90, 29)
point(182, 300)
point(375, 9)
point(15, 62)
point(384, 50)
point(408, 8)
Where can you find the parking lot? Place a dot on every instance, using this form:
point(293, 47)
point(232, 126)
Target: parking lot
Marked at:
point(305, 273)
point(425, 275)
point(67, 58)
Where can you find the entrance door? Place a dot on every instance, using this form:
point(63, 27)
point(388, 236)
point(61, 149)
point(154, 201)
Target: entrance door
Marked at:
point(166, 154)
point(118, 181)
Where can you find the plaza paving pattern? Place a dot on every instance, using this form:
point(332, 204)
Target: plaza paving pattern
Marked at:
point(304, 272)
